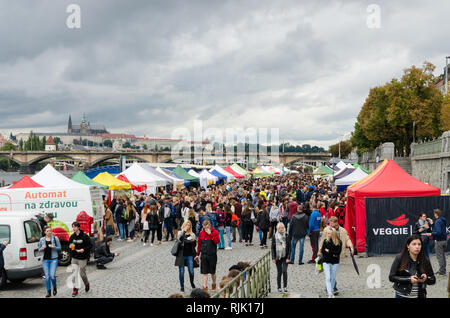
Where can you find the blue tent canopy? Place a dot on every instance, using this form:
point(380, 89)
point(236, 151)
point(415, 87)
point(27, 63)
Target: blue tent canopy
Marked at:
point(218, 174)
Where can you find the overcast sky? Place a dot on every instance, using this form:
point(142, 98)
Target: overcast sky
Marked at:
point(150, 67)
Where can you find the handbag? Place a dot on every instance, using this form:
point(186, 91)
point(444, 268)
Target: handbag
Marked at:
point(146, 227)
point(175, 248)
point(196, 263)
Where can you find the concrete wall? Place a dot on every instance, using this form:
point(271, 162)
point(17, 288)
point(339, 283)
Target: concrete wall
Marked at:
point(431, 161)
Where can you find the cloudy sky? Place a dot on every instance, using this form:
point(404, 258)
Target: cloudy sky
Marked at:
point(152, 67)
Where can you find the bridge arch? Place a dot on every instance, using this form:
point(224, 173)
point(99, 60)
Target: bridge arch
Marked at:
point(115, 156)
point(48, 156)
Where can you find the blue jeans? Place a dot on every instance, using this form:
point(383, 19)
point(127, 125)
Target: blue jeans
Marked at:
point(122, 230)
point(285, 221)
point(168, 225)
point(189, 262)
point(228, 230)
point(222, 240)
point(330, 276)
point(49, 266)
point(260, 232)
point(293, 246)
point(109, 230)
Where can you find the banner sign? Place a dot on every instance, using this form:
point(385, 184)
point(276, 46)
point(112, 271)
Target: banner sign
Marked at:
point(389, 221)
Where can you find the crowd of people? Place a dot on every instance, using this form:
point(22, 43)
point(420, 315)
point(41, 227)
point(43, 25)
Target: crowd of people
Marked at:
point(283, 209)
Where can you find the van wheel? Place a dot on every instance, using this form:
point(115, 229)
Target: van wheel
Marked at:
point(66, 258)
point(3, 279)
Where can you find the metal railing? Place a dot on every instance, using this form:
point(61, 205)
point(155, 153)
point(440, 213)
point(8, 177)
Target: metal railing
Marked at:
point(253, 282)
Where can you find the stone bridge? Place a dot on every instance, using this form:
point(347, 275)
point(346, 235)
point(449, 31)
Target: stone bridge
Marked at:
point(90, 159)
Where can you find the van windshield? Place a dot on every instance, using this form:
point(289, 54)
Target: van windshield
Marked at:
point(5, 233)
point(32, 231)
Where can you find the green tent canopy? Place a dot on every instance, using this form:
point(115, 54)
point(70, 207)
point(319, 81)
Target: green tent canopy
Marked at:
point(180, 172)
point(323, 170)
point(80, 177)
point(362, 168)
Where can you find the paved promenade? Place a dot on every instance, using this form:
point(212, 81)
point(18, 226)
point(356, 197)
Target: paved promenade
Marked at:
point(149, 272)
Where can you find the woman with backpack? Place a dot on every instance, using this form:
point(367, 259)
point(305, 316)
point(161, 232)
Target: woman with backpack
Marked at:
point(50, 247)
point(274, 216)
point(263, 223)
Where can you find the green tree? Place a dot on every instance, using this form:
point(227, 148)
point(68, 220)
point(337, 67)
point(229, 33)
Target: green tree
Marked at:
point(445, 113)
point(8, 147)
point(108, 143)
point(346, 148)
point(391, 111)
point(126, 145)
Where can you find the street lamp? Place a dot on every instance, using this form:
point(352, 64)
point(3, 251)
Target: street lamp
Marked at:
point(343, 136)
point(446, 74)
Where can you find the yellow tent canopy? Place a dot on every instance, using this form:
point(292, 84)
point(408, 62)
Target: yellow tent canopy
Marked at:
point(108, 180)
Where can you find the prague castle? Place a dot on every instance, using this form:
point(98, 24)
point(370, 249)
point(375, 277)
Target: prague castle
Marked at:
point(85, 128)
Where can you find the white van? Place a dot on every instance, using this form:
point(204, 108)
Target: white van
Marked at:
point(22, 258)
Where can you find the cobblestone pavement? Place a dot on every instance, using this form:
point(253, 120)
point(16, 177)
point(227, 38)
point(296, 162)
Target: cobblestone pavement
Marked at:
point(149, 272)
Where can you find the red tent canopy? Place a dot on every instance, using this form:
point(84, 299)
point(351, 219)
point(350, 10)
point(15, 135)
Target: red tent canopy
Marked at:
point(388, 181)
point(234, 173)
point(25, 182)
point(139, 188)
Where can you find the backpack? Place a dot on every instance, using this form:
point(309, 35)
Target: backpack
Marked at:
point(274, 215)
point(125, 214)
point(340, 214)
point(212, 218)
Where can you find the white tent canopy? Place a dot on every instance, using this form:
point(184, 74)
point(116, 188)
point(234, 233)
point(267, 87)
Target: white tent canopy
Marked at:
point(220, 170)
point(177, 183)
point(160, 174)
point(353, 177)
point(203, 179)
point(49, 177)
point(212, 179)
point(140, 176)
point(341, 165)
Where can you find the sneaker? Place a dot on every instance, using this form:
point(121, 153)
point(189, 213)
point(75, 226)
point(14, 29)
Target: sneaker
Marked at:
point(301, 263)
point(100, 266)
point(228, 248)
point(335, 292)
point(439, 274)
point(290, 262)
point(151, 244)
point(75, 292)
point(87, 287)
point(119, 240)
point(311, 262)
point(143, 244)
point(182, 289)
point(285, 289)
point(330, 296)
point(279, 290)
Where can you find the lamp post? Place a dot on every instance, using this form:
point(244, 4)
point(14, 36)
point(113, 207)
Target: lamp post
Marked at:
point(343, 136)
point(446, 74)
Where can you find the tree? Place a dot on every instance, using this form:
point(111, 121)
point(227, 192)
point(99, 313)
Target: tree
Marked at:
point(8, 147)
point(126, 145)
point(57, 140)
point(445, 113)
point(108, 143)
point(346, 148)
point(391, 111)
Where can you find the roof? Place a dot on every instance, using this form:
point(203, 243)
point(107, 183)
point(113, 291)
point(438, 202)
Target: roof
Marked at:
point(390, 180)
point(50, 142)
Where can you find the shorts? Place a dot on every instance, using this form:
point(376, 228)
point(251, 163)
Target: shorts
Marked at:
point(208, 265)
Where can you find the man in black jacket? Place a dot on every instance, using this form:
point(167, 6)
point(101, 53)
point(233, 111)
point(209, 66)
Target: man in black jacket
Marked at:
point(103, 255)
point(298, 229)
point(80, 246)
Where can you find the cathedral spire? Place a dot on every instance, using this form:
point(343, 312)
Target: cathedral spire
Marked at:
point(69, 125)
